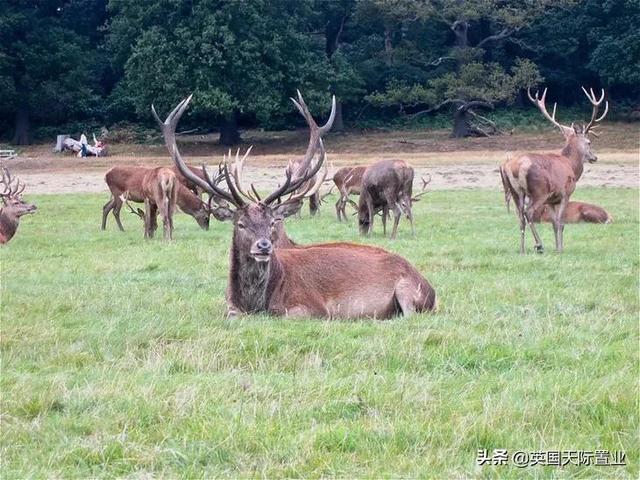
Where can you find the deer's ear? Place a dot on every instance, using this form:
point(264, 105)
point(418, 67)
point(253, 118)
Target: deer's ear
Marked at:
point(285, 209)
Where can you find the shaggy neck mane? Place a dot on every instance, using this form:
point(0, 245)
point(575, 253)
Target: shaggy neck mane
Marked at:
point(8, 226)
point(251, 283)
point(577, 160)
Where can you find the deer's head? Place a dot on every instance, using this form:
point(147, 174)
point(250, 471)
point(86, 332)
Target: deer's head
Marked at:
point(12, 202)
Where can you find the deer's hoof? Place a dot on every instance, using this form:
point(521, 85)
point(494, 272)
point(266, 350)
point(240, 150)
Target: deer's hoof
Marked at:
point(539, 249)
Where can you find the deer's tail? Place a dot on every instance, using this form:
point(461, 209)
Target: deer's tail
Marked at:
point(506, 186)
point(169, 193)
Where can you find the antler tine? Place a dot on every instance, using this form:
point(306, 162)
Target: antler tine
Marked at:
point(312, 188)
point(125, 197)
point(540, 102)
point(424, 188)
point(596, 106)
point(315, 132)
point(291, 186)
point(18, 190)
point(255, 192)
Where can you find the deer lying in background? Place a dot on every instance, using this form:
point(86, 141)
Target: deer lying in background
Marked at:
point(348, 180)
point(315, 134)
point(387, 185)
point(13, 206)
point(156, 187)
point(339, 280)
point(575, 212)
point(538, 179)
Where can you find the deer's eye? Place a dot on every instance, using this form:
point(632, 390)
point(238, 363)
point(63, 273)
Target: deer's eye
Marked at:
point(241, 226)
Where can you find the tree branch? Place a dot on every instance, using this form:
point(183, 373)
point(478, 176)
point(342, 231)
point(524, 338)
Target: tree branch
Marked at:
point(437, 107)
point(506, 32)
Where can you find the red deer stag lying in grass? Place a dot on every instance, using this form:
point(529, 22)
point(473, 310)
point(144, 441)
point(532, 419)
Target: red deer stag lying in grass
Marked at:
point(387, 185)
point(348, 180)
point(315, 134)
point(538, 179)
point(13, 206)
point(340, 280)
point(157, 187)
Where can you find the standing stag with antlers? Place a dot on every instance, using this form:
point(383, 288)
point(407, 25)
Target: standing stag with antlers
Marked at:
point(340, 280)
point(537, 179)
point(13, 206)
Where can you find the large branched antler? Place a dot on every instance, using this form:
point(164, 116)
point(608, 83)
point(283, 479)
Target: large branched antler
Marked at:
point(297, 178)
point(315, 132)
point(425, 182)
point(209, 185)
point(540, 103)
point(589, 128)
point(10, 190)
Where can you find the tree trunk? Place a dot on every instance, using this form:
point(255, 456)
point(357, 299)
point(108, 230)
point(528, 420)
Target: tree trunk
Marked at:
point(460, 29)
point(388, 46)
point(229, 134)
point(461, 123)
point(338, 124)
point(21, 135)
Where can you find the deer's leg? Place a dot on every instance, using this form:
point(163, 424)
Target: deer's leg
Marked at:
point(338, 212)
point(167, 222)
point(314, 204)
point(117, 206)
point(528, 213)
point(410, 217)
point(371, 215)
point(105, 211)
point(397, 213)
point(523, 222)
point(559, 225)
point(385, 210)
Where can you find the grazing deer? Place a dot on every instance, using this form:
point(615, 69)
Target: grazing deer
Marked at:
point(315, 134)
point(156, 187)
point(537, 179)
point(575, 212)
point(341, 280)
point(121, 179)
point(348, 180)
point(387, 185)
point(13, 206)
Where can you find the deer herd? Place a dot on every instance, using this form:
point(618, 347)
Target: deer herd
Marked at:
point(270, 273)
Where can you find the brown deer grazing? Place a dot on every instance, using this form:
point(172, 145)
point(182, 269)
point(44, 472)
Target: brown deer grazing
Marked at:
point(537, 179)
point(348, 180)
point(156, 187)
point(13, 206)
point(575, 212)
point(315, 134)
point(121, 179)
point(339, 280)
point(387, 185)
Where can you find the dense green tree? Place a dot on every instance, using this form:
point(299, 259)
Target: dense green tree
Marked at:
point(47, 65)
point(458, 72)
point(594, 43)
point(238, 58)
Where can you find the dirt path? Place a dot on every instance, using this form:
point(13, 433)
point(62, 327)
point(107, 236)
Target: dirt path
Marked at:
point(461, 176)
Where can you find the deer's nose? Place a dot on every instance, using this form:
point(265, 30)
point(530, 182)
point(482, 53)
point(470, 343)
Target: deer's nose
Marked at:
point(264, 245)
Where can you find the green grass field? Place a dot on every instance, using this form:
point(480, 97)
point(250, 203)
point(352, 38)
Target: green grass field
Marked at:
point(117, 359)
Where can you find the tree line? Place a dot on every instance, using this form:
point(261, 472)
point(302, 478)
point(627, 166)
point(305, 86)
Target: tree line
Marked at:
point(108, 60)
